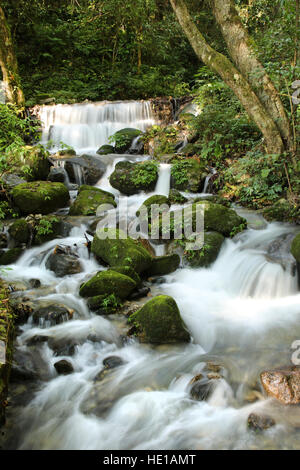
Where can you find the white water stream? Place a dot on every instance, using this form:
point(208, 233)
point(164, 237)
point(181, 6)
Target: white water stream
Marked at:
point(243, 313)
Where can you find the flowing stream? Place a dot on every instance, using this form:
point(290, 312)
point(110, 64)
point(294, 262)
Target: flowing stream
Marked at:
point(243, 314)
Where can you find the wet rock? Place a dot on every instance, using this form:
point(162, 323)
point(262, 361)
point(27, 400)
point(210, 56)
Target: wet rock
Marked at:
point(159, 321)
point(36, 158)
point(259, 423)
point(112, 362)
point(48, 227)
point(11, 180)
point(40, 197)
point(54, 314)
point(89, 199)
point(140, 293)
point(131, 178)
point(124, 138)
point(162, 265)
point(106, 283)
point(202, 388)
point(3, 240)
point(283, 384)
point(63, 263)
point(130, 272)
point(63, 347)
point(22, 310)
point(63, 367)
point(57, 174)
point(295, 248)
point(281, 211)
point(106, 150)
point(119, 250)
point(10, 256)
point(35, 283)
point(92, 169)
point(20, 232)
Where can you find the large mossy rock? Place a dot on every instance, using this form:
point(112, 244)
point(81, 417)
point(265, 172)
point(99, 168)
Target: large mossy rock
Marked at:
point(118, 250)
point(40, 197)
point(217, 218)
point(20, 232)
point(37, 159)
point(124, 138)
point(282, 211)
point(10, 256)
point(159, 321)
point(188, 175)
point(106, 283)
point(130, 178)
point(208, 253)
point(89, 199)
point(163, 265)
point(154, 200)
point(106, 150)
point(175, 197)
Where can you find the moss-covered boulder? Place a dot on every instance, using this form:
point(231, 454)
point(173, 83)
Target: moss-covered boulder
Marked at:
point(48, 228)
point(154, 200)
point(163, 265)
point(208, 253)
point(188, 175)
point(130, 272)
point(217, 218)
point(10, 256)
point(19, 232)
point(130, 178)
point(295, 248)
point(159, 321)
point(175, 197)
point(40, 197)
point(124, 138)
point(118, 250)
point(104, 304)
point(37, 159)
point(106, 283)
point(105, 150)
point(89, 199)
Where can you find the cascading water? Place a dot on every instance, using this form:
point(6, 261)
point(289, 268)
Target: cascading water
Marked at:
point(87, 126)
point(243, 314)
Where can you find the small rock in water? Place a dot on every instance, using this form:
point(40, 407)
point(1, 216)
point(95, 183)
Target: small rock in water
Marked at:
point(140, 293)
point(259, 423)
point(64, 367)
point(112, 362)
point(57, 175)
point(35, 283)
point(283, 384)
point(63, 262)
point(55, 314)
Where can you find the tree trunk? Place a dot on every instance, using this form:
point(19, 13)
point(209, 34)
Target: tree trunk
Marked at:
point(9, 65)
point(232, 77)
point(241, 51)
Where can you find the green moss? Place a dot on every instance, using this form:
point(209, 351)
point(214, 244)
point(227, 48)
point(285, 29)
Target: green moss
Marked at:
point(124, 138)
point(117, 251)
point(89, 199)
point(106, 283)
point(20, 231)
point(156, 199)
point(175, 197)
point(295, 248)
point(104, 304)
point(106, 150)
point(282, 211)
point(163, 265)
point(47, 229)
point(187, 175)
point(159, 321)
point(128, 271)
point(130, 178)
point(10, 256)
point(36, 158)
point(40, 197)
point(208, 253)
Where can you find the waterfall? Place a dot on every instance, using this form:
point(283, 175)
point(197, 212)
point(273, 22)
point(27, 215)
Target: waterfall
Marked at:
point(87, 126)
point(163, 183)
